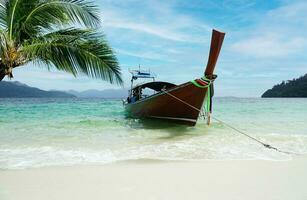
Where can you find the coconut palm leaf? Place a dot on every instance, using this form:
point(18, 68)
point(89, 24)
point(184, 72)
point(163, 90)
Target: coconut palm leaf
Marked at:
point(32, 31)
point(3, 13)
point(29, 17)
point(76, 51)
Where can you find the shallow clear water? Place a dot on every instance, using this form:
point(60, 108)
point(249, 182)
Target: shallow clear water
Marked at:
point(58, 132)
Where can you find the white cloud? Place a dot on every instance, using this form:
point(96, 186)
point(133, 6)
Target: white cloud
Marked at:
point(145, 54)
point(148, 28)
point(280, 33)
point(158, 19)
point(269, 46)
point(288, 13)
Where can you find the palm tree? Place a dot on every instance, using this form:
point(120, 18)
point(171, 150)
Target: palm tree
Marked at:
point(57, 34)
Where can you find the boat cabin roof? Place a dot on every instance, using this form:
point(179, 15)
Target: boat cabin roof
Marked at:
point(141, 74)
point(155, 85)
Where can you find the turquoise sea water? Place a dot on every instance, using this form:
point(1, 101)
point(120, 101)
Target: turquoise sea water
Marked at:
point(60, 132)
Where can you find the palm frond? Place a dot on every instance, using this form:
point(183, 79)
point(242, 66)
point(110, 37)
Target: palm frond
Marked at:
point(77, 52)
point(49, 13)
point(27, 18)
point(4, 46)
point(3, 13)
point(15, 15)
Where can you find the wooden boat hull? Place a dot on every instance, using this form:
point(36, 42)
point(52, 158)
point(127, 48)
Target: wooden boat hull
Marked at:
point(180, 104)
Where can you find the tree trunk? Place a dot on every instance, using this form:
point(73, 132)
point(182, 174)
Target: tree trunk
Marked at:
point(2, 75)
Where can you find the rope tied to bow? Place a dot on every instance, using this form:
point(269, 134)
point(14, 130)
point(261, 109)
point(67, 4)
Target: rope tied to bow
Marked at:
point(205, 83)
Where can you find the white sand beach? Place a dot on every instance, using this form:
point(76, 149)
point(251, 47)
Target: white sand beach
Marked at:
point(149, 179)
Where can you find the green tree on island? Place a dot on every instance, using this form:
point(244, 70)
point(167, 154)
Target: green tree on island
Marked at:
point(55, 33)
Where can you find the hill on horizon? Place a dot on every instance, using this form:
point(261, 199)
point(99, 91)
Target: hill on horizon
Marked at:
point(108, 93)
point(291, 88)
point(15, 89)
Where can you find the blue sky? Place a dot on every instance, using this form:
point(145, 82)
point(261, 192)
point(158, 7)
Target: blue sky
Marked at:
point(265, 43)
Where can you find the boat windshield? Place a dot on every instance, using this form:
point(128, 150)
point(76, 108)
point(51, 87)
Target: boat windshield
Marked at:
point(147, 89)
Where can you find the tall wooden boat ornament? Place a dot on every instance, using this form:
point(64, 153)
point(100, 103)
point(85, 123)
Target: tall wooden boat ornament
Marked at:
point(177, 103)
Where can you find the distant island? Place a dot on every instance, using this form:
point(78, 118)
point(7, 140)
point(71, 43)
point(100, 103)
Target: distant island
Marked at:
point(10, 89)
point(107, 94)
point(16, 89)
point(291, 88)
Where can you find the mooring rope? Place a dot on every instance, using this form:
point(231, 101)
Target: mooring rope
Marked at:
point(266, 145)
point(182, 101)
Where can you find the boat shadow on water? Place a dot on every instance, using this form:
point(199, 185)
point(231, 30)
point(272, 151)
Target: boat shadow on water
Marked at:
point(173, 130)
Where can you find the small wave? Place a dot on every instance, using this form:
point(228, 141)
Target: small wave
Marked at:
point(94, 132)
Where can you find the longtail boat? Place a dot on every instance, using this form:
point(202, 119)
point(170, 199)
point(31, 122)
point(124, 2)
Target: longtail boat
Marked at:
point(182, 103)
